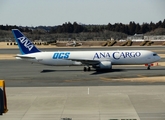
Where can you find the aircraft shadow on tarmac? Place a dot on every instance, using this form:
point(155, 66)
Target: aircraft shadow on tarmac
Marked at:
point(107, 71)
point(45, 71)
point(94, 71)
point(48, 70)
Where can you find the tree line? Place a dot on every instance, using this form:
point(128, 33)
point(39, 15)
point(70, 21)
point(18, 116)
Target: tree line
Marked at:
point(129, 29)
point(69, 31)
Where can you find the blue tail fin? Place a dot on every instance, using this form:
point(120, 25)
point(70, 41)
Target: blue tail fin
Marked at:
point(25, 45)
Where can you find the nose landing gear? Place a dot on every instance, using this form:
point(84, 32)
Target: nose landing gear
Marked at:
point(149, 67)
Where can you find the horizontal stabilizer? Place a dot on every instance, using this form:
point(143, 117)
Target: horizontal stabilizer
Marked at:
point(24, 57)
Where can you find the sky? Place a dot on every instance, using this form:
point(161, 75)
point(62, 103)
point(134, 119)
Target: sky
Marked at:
point(98, 12)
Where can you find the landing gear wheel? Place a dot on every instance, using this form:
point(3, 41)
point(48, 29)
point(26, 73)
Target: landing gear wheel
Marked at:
point(85, 69)
point(89, 69)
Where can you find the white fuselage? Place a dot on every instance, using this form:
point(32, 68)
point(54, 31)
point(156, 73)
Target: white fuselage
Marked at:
point(118, 57)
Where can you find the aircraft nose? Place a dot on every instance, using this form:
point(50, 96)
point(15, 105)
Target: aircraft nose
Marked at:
point(159, 57)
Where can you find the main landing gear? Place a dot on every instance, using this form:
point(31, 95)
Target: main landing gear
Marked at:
point(149, 67)
point(87, 69)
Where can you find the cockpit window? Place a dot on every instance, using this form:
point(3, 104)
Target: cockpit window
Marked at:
point(154, 54)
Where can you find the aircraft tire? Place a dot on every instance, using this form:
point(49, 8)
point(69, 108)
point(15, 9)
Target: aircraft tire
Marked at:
point(89, 69)
point(85, 69)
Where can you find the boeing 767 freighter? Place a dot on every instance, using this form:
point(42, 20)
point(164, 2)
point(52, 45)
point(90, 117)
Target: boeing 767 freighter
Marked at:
point(95, 59)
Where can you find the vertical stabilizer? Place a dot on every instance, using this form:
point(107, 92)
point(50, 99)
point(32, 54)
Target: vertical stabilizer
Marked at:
point(25, 45)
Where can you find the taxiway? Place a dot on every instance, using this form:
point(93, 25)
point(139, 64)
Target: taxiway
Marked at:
point(39, 92)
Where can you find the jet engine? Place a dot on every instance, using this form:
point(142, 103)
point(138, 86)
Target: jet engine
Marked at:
point(104, 65)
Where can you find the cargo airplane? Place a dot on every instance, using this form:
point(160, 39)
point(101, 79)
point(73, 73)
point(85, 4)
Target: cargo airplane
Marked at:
point(95, 59)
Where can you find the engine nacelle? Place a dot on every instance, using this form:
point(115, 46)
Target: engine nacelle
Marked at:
point(104, 65)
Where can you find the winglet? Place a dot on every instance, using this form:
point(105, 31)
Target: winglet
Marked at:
point(25, 45)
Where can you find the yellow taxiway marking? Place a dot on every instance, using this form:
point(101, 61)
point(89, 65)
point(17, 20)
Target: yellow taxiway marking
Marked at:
point(138, 79)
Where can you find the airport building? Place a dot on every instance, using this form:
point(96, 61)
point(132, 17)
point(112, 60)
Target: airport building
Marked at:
point(141, 37)
point(136, 37)
point(155, 37)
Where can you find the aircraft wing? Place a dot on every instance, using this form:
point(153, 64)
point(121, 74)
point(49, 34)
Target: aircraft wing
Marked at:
point(86, 61)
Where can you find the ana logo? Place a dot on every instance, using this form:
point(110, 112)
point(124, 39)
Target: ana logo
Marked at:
point(61, 55)
point(102, 55)
point(26, 43)
point(116, 55)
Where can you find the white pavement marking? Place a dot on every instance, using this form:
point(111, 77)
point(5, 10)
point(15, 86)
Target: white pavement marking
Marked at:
point(88, 90)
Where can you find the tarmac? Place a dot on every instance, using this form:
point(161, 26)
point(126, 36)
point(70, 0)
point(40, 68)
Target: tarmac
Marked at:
point(39, 92)
point(86, 103)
